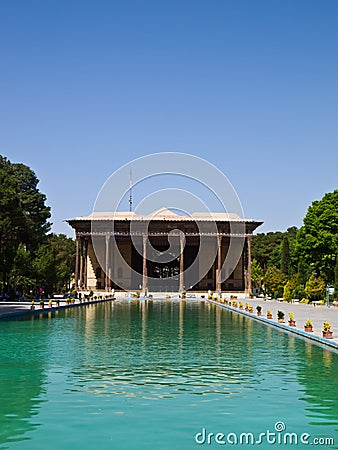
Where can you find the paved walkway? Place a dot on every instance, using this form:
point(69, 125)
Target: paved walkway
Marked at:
point(21, 309)
point(302, 312)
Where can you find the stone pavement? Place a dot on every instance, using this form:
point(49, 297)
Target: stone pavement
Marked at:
point(12, 307)
point(302, 312)
point(23, 309)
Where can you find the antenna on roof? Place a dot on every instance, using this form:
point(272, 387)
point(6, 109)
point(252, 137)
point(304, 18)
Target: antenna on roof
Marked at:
point(130, 191)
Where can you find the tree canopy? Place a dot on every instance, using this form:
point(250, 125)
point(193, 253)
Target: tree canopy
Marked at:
point(29, 257)
point(302, 260)
point(317, 239)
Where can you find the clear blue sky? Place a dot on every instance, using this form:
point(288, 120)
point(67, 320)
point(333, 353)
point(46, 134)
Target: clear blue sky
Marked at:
point(252, 86)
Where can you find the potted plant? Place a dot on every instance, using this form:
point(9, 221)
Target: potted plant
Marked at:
point(33, 305)
point(327, 333)
point(184, 295)
point(57, 301)
point(269, 314)
point(235, 304)
point(246, 306)
point(50, 303)
point(251, 309)
point(280, 316)
point(42, 304)
point(259, 310)
point(292, 322)
point(240, 305)
point(308, 326)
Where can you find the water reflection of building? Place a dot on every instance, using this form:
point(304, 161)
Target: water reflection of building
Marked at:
point(128, 261)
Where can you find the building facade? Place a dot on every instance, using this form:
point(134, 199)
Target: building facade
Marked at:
point(163, 252)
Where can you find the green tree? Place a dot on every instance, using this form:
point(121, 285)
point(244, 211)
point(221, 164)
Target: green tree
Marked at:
point(294, 288)
point(315, 288)
point(270, 249)
point(54, 263)
point(285, 257)
point(21, 274)
point(257, 274)
point(274, 281)
point(317, 239)
point(266, 248)
point(23, 215)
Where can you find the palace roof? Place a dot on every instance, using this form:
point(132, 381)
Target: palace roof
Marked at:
point(163, 214)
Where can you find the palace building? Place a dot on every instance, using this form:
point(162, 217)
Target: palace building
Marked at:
point(163, 252)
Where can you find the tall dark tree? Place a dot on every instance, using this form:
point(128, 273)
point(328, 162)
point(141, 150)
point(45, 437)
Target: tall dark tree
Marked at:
point(266, 248)
point(23, 213)
point(285, 257)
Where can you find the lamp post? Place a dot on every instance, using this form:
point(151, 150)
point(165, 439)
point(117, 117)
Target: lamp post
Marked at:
point(329, 291)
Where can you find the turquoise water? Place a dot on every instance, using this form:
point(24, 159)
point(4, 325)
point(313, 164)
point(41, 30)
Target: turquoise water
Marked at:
point(151, 375)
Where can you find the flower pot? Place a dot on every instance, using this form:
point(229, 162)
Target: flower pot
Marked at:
point(251, 311)
point(241, 307)
point(42, 306)
point(259, 313)
point(246, 309)
point(281, 321)
point(327, 334)
point(292, 323)
point(269, 316)
point(308, 329)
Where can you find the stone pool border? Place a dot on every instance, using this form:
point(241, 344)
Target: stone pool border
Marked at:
point(27, 313)
point(286, 328)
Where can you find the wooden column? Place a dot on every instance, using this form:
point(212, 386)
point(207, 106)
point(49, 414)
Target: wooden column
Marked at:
point(107, 279)
point(144, 267)
point(219, 263)
point(249, 283)
point(181, 285)
point(86, 242)
point(81, 264)
point(77, 263)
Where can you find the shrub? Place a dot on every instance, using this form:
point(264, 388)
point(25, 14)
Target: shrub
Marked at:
point(280, 314)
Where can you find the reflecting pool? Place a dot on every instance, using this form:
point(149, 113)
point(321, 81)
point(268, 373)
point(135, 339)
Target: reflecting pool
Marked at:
point(161, 375)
